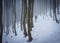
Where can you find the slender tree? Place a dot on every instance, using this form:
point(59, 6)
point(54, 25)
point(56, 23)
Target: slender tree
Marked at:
point(7, 18)
point(32, 6)
point(21, 15)
point(14, 14)
point(46, 7)
point(50, 8)
point(1, 25)
point(29, 21)
point(57, 6)
point(24, 16)
point(4, 13)
point(54, 11)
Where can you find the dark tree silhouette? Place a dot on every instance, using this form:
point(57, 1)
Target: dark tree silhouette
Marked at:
point(54, 11)
point(1, 25)
point(14, 14)
point(50, 8)
point(46, 7)
point(57, 5)
point(29, 21)
point(21, 16)
point(24, 16)
point(32, 6)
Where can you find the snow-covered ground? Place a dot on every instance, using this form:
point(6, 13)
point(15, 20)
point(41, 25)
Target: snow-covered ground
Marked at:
point(45, 31)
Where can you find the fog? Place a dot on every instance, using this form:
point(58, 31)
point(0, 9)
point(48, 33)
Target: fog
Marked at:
point(45, 29)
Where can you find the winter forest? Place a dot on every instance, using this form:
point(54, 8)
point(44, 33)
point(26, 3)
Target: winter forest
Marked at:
point(29, 21)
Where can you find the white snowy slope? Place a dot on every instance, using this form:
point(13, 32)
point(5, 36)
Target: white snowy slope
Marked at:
point(45, 31)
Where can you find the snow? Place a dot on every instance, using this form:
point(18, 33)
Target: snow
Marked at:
point(44, 31)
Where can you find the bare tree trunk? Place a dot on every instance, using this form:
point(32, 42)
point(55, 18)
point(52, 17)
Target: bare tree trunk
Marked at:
point(29, 21)
point(1, 25)
point(21, 15)
point(4, 13)
point(50, 8)
point(46, 7)
point(54, 11)
point(57, 6)
point(32, 6)
point(14, 14)
point(24, 16)
point(7, 17)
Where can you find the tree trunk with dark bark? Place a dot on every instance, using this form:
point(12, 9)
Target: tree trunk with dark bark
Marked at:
point(1, 25)
point(24, 16)
point(14, 14)
point(29, 21)
point(21, 16)
point(32, 6)
point(46, 7)
point(54, 11)
point(50, 8)
point(57, 6)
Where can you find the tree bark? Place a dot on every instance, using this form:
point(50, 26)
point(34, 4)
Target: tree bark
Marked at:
point(57, 6)
point(21, 15)
point(7, 16)
point(46, 7)
point(50, 8)
point(29, 21)
point(32, 6)
point(1, 25)
point(24, 16)
point(14, 14)
point(54, 11)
